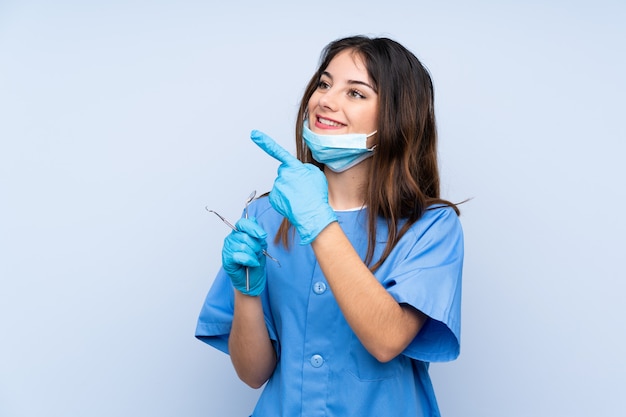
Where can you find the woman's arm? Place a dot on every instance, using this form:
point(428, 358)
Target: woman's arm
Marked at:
point(382, 325)
point(251, 350)
point(300, 193)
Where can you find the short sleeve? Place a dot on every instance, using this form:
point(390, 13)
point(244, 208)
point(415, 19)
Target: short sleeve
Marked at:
point(216, 316)
point(427, 275)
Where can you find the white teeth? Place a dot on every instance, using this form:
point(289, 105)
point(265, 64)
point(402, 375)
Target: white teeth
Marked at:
point(328, 122)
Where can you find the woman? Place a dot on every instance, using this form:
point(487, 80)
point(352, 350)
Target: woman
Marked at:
point(367, 290)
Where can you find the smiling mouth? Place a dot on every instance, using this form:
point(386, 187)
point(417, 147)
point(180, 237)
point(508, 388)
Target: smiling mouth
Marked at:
point(330, 123)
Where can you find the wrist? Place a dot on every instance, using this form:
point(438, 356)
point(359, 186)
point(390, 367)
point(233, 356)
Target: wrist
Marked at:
point(244, 297)
point(316, 224)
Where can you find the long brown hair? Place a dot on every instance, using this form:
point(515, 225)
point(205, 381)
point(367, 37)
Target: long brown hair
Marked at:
point(404, 176)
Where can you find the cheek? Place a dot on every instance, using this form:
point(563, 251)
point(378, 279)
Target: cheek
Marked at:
point(369, 119)
point(313, 102)
point(373, 126)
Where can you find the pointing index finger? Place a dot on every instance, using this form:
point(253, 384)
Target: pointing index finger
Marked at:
point(272, 148)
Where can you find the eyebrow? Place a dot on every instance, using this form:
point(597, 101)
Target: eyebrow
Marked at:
point(351, 82)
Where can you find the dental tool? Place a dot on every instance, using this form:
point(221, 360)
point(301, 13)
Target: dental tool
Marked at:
point(229, 224)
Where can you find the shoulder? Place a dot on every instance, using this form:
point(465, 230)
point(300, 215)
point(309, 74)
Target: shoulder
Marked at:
point(259, 206)
point(438, 219)
point(437, 235)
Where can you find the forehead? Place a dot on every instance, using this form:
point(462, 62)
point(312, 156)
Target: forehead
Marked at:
point(348, 64)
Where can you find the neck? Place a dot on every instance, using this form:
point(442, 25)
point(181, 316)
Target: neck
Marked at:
point(346, 190)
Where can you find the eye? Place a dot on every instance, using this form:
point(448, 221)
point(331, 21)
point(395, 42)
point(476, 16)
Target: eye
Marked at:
point(322, 85)
point(355, 94)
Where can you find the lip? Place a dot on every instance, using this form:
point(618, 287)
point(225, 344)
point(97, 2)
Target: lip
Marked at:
point(327, 127)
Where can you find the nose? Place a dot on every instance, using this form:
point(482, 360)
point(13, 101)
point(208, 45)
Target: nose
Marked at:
point(328, 100)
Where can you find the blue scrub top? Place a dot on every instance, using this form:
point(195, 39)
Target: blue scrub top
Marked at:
point(323, 369)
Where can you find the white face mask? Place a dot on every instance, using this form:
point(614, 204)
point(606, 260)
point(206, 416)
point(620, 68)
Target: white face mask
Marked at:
point(337, 152)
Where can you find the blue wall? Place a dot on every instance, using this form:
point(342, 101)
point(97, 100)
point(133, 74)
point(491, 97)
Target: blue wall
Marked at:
point(120, 121)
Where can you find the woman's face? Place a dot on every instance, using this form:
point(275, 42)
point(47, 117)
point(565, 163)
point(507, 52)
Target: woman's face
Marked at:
point(345, 100)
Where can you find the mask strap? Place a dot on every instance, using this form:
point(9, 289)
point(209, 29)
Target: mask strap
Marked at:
point(371, 134)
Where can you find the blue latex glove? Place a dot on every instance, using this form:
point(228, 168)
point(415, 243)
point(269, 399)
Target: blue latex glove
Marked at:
point(244, 249)
point(300, 191)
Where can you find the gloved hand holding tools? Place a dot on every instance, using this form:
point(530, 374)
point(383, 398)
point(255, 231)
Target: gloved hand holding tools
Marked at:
point(243, 249)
